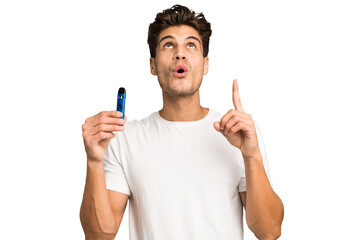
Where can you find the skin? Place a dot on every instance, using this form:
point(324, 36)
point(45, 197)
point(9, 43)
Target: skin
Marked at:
point(102, 210)
point(181, 100)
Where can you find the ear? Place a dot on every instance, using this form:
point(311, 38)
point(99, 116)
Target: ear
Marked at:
point(206, 65)
point(153, 66)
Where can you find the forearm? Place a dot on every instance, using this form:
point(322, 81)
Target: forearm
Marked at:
point(264, 209)
point(96, 215)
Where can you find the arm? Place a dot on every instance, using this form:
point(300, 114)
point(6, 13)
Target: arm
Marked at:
point(101, 210)
point(264, 209)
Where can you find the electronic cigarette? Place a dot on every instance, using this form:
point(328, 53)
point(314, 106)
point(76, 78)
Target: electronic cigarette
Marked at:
point(121, 101)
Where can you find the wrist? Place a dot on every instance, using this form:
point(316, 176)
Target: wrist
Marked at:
point(94, 163)
point(257, 157)
point(253, 165)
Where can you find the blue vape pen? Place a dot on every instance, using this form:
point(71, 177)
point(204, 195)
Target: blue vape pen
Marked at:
point(121, 101)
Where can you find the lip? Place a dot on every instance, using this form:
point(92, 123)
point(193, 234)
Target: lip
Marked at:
point(177, 68)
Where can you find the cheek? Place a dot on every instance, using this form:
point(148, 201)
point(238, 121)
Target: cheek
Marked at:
point(199, 67)
point(162, 64)
point(163, 71)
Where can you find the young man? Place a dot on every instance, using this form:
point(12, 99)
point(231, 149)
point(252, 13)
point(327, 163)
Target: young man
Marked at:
point(186, 170)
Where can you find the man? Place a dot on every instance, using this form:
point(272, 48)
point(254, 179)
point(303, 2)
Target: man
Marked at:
point(183, 168)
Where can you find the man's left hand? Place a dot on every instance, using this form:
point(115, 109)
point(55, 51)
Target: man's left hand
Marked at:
point(238, 127)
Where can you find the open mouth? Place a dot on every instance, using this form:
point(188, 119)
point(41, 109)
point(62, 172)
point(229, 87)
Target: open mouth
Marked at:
point(180, 71)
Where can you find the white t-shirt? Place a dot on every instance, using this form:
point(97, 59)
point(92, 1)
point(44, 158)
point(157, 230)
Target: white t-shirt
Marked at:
point(183, 178)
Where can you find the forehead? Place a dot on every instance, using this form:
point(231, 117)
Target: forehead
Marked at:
point(179, 32)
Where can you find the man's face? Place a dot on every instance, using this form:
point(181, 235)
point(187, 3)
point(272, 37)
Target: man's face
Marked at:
point(179, 62)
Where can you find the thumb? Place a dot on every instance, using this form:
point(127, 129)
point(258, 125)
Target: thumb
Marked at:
point(217, 126)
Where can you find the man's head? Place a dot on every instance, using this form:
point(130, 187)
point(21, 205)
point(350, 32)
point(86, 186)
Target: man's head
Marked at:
point(179, 43)
point(176, 16)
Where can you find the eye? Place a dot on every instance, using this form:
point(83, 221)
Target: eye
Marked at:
point(168, 45)
point(191, 45)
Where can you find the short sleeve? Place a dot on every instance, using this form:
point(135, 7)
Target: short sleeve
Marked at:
point(242, 185)
point(113, 167)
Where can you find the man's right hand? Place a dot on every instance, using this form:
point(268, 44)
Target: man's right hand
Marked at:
point(97, 133)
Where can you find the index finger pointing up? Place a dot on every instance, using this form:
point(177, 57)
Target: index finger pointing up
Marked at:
point(236, 97)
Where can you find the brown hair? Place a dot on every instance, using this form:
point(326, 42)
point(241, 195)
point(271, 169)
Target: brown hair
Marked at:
point(176, 16)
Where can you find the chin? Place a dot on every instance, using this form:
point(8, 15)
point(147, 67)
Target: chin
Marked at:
point(181, 87)
point(180, 92)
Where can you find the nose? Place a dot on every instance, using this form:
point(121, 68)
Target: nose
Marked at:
point(179, 55)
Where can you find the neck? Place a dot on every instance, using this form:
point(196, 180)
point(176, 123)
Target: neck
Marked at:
point(182, 109)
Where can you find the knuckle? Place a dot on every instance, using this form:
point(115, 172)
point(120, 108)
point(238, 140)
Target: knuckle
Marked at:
point(102, 114)
point(102, 119)
point(101, 135)
point(102, 128)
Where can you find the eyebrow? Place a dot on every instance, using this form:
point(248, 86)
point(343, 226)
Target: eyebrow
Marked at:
point(171, 37)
